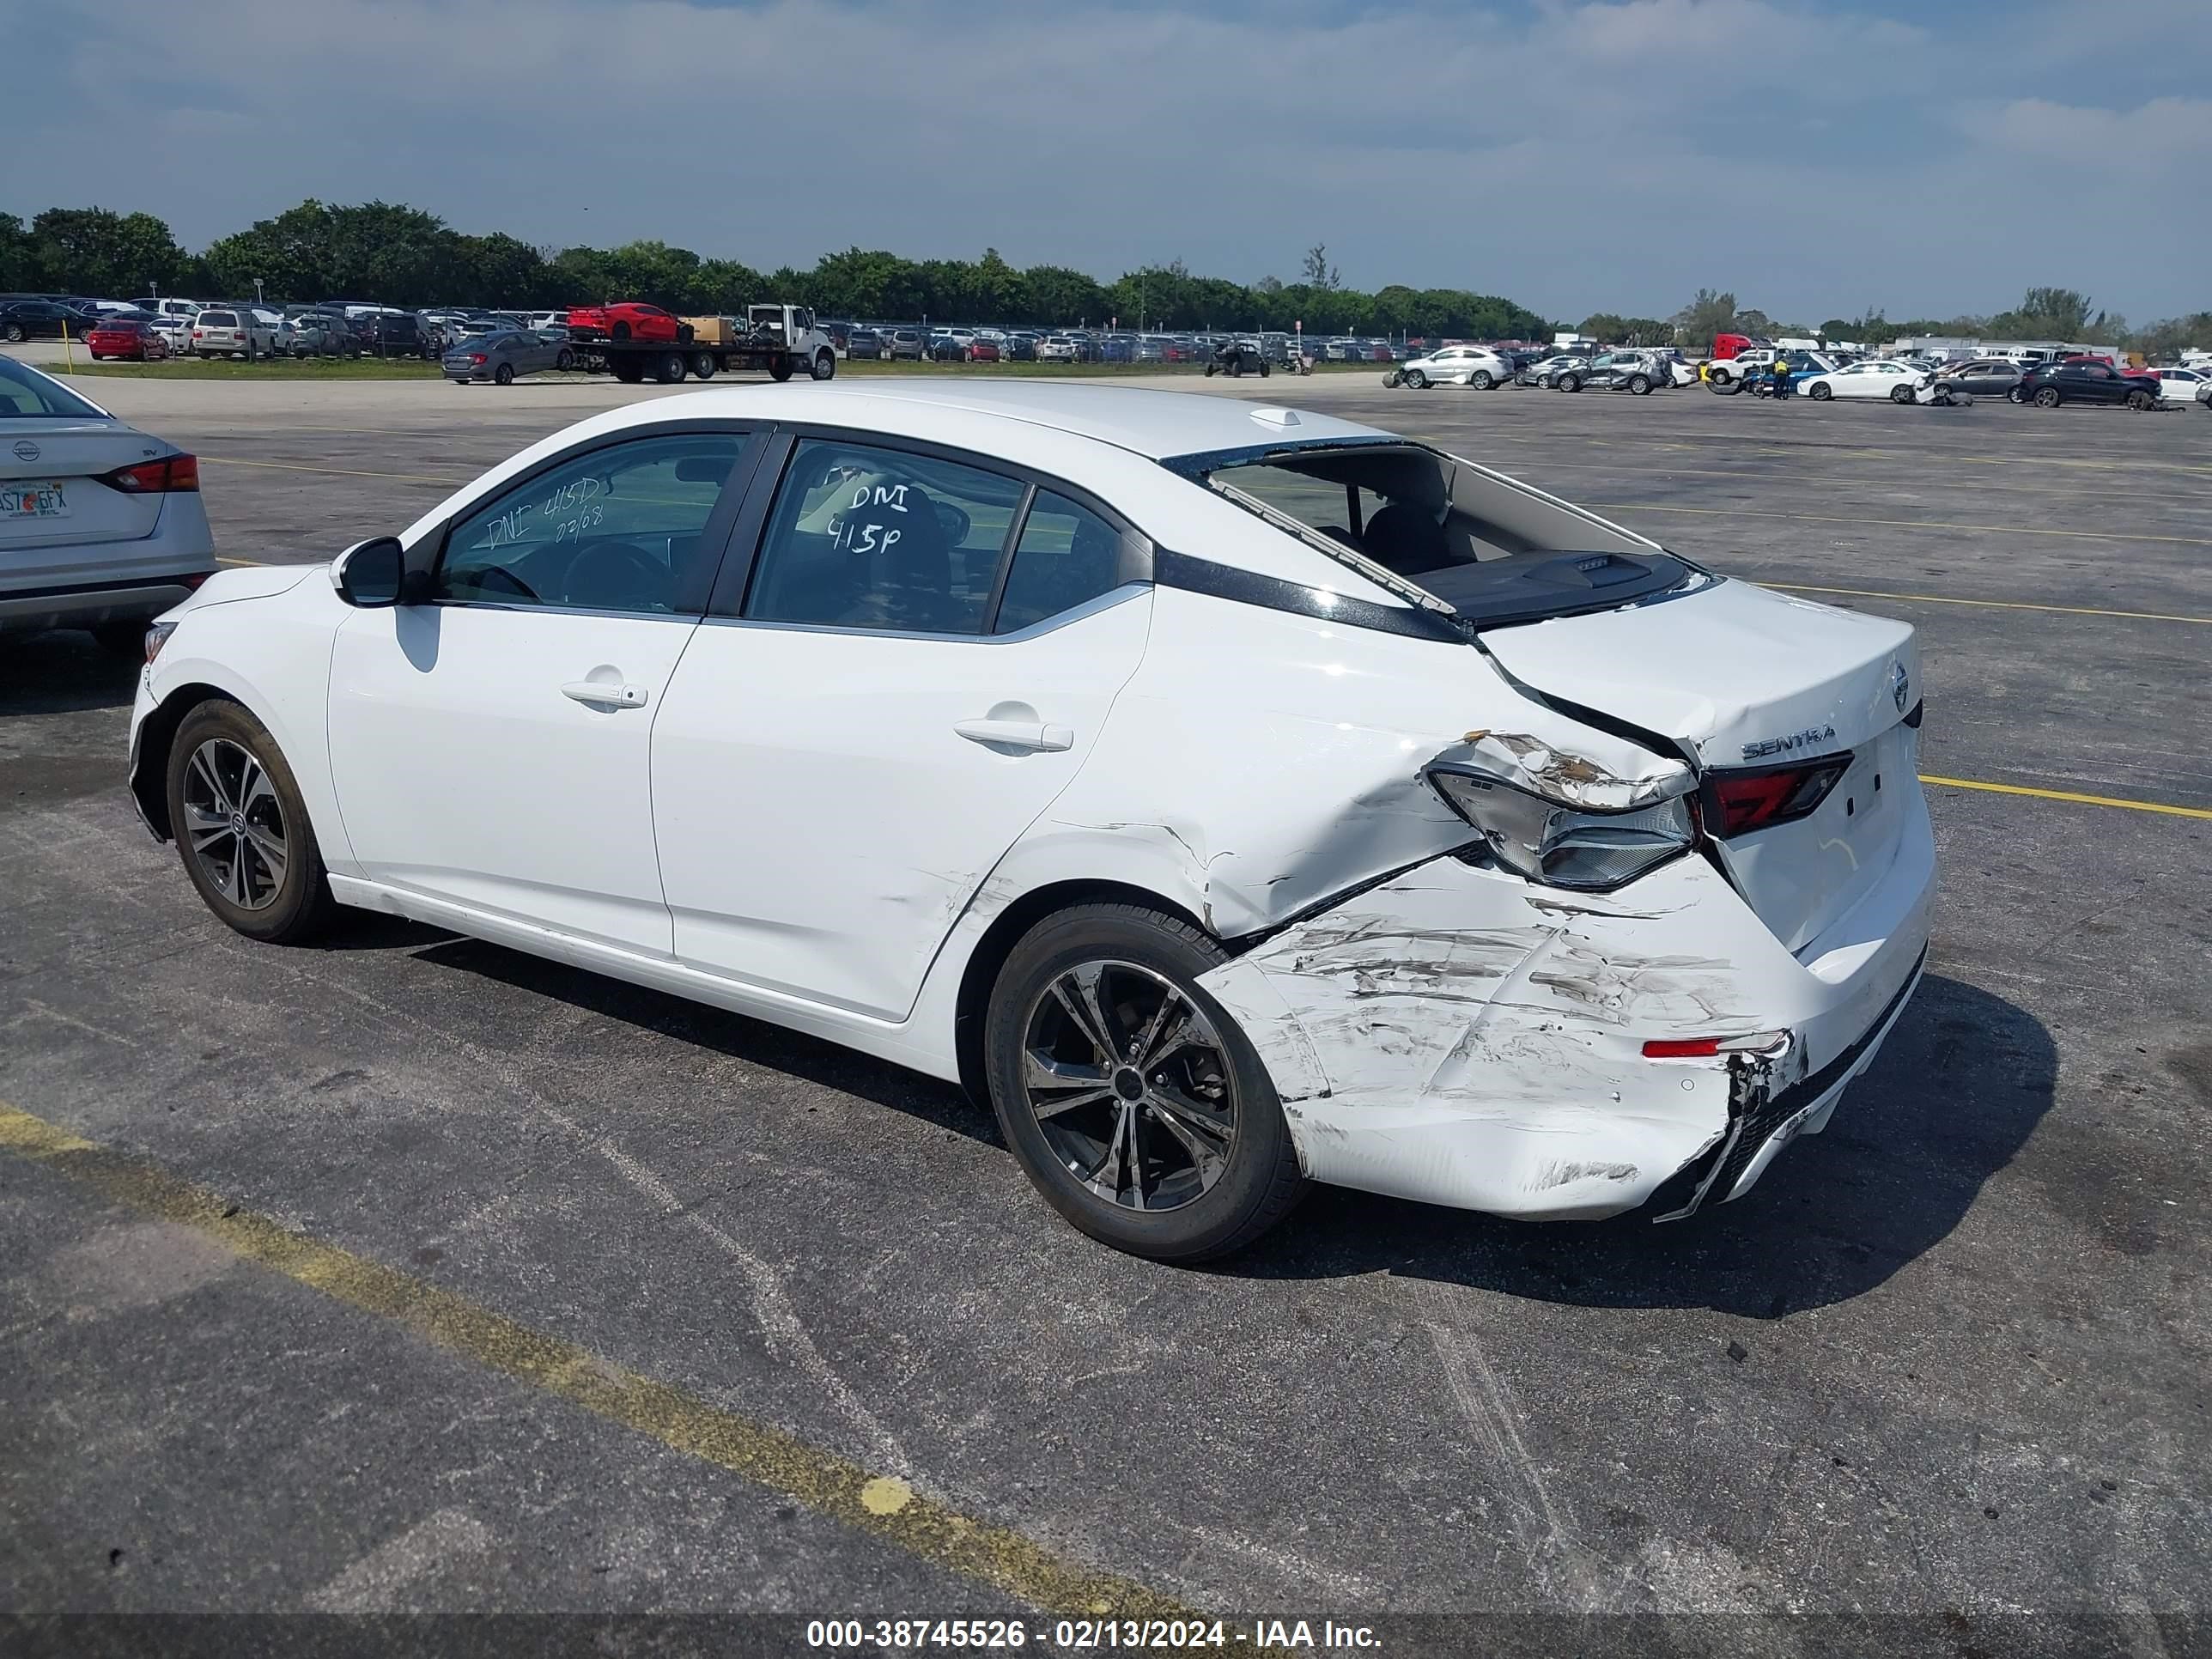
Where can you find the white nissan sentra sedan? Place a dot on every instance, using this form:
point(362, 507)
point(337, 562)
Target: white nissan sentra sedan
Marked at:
point(1238, 796)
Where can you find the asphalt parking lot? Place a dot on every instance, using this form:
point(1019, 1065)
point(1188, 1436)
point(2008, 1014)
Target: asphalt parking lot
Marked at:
point(412, 1274)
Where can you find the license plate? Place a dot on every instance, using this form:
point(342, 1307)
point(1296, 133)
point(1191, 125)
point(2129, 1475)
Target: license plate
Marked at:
point(32, 500)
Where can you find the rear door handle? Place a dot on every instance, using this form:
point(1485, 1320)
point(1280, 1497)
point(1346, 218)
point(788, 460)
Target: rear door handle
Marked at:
point(604, 697)
point(1016, 734)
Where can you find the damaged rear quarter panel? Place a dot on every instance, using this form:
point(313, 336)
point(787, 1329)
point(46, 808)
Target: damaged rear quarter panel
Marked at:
point(1279, 761)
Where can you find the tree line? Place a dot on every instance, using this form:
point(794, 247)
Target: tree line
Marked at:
point(399, 255)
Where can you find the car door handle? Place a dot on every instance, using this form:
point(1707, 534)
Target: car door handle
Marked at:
point(1016, 734)
point(603, 695)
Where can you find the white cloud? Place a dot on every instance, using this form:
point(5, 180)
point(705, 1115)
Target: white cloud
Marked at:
point(1613, 153)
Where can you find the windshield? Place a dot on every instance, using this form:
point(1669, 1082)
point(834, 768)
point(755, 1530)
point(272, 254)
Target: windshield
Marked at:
point(1432, 527)
point(26, 394)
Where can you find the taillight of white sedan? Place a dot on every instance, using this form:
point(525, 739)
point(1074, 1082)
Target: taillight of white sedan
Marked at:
point(1238, 796)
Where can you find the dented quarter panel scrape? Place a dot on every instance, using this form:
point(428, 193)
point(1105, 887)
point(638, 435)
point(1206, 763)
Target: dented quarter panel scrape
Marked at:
point(1459, 1035)
point(1311, 741)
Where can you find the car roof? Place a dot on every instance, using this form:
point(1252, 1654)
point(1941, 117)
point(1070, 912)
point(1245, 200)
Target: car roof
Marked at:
point(1154, 424)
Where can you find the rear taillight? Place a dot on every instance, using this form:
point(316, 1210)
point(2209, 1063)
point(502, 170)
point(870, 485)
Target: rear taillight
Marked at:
point(477, 357)
point(1737, 803)
point(195, 578)
point(169, 476)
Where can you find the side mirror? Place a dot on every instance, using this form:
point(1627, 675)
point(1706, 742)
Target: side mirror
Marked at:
point(371, 575)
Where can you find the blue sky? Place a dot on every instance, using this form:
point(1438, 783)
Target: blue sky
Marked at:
point(1814, 156)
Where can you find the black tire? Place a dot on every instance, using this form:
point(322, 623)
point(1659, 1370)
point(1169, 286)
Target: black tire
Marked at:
point(1264, 370)
point(123, 639)
point(1417, 379)
point(684, 333)
point(669, 368)
point(1640, 385)
point(565, 361)
point(1819, 393)
point(825, 365)
point(779, 369)
point(14, 333)
point(2140, 400)
point(628, 370)
point(504, 374)
point(1236, 370)
point(1569, 382)
point(2016, 396)
point(619, 332)
point(1901, 394)
point(1209, 371)
point(1481, 379)
point(300, 906)
point(703, 365)
point(1720, 379)
point(1260, 1181)
point(2046, 397)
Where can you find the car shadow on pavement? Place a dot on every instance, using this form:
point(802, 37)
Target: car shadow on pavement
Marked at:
point(1957, 1090)
point(756, 1041)
point(62, 672)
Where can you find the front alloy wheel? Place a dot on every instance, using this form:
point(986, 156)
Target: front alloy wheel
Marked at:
point(234, 824)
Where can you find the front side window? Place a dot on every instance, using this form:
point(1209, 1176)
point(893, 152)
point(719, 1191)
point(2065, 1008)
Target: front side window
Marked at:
point(617, 529)
point(867, 538)
point(1067, 556)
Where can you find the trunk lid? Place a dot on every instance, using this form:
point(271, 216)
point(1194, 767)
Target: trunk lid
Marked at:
point(70, 451)
point(1743, 678)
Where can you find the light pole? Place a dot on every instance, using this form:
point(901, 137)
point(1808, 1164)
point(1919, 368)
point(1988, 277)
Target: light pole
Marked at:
point(256, 291)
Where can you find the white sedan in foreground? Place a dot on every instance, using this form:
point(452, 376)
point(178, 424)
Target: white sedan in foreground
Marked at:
point(1236, 796)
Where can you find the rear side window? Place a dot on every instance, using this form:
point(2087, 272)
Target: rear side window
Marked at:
point(1067, 556)
point(867, 538)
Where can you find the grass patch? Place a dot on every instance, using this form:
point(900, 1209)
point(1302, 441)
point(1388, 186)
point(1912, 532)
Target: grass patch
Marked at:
point(268, 368)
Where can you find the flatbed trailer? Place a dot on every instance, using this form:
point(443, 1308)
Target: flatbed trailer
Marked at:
point(780, 341)
point(634, 361)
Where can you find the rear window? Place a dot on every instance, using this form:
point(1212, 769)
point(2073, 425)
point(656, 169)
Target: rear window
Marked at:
point(1427, 525)
point(26, 394)
point(218, 319)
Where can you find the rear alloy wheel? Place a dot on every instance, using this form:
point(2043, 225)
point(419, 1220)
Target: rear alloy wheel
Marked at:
point(2016, 396)
point(2046, 397)
point(1640, 385)
point(14, 333)
point(504, 374)
point(565, 361)
point(1568, 383)
point(1128, 1095)
point(668, 367)
point(242, 829)
point(1481, 379)
point(825, 365)
point(1900, 394)
point(1416, 379)
point(1820, 392)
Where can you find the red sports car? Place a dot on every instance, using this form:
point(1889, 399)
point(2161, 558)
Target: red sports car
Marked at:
point(630, 320)
point(126, 338)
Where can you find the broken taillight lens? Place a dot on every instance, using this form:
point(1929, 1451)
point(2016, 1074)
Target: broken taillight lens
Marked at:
point(1737, 803)
point(1705, 1048)
point(1564, 845)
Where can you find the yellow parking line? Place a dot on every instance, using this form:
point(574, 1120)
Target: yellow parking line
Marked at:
point(881, 1506)
point(1992, 604)
point(334, 472)
point(1898, 524)
point(2069, 795)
